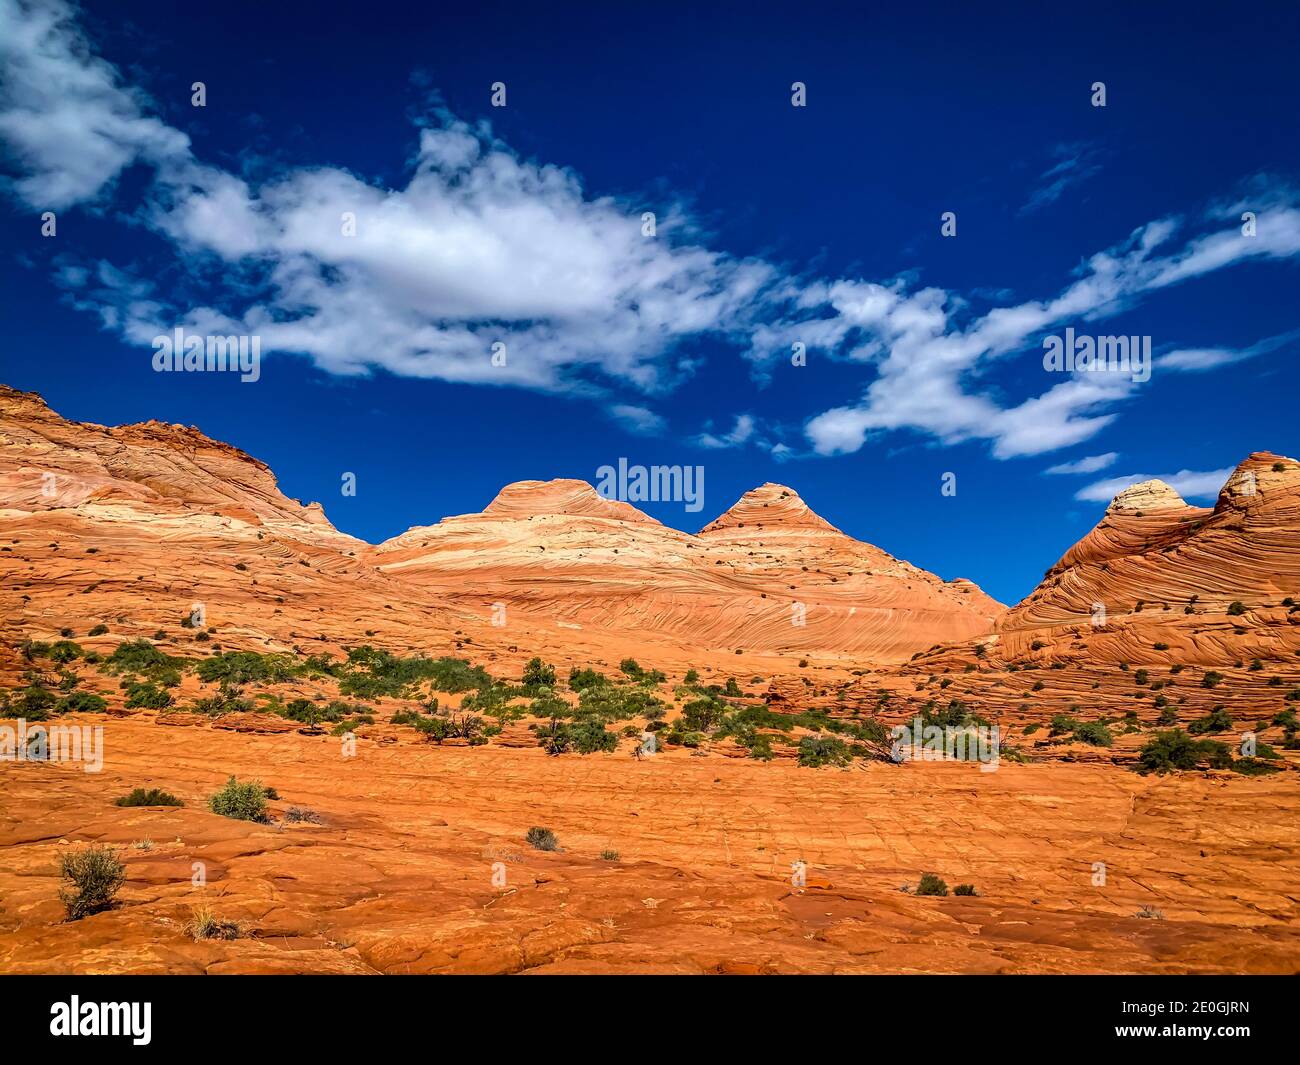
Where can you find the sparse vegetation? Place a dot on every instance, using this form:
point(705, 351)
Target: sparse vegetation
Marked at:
point(241, 802)
point(931, 884)
point(1175, 750)
point(1217, 720)
point(542, 839)
point(148, 797)
point(94, 875)
point(206, 925)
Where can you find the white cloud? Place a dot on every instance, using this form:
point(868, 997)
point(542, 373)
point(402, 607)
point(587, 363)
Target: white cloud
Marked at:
point(1194, 360)
point(1088, 464)
point(67, 121)
point(1190, 484)
point(478, 246)
point(639, 420)
point(741, 431)
point(929, 363)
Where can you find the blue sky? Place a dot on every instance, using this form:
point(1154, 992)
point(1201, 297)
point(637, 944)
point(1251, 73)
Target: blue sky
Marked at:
point(774, 225)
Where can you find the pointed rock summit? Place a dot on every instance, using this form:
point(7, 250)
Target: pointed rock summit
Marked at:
point(1147, 495)
point(1261, 472)
point(564, 495)
point(770, 506)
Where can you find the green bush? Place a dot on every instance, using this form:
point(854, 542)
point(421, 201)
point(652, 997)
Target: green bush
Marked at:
point(1094, 733)
point(964, 889)
point(95, 875)
point(242, 802)
point(1236, 608)
point(65, 651)
point(1175, 750)
point(33, 703)
point(1217, 720)
point(538, 674)
point(245, 667)
point(931, 885)
point(1063, 723)
point(147, 696)
point(543, 839)
point(98, 630)
point(818, 751)
point(1211, 679)
point(581, 679)
point(138, 656)
point(1254, 767)
point(82, 703)
point(149, 797)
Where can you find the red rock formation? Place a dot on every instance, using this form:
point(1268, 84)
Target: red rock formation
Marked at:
point(768, 576)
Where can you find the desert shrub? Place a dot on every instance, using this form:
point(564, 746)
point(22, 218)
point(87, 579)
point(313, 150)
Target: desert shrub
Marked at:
point(582, 679)
point(954, 715)
point(65, 651)
point(245, 667)
point(1217, 720)
point(631, 667)
point(1094, 733)
point(1141, 676)
point(370, 674)
point(227, 700)
point(138, 656)
point(538, 674)
point(589, 736)
point(1175, 750)
point(206, 925)
point(148, 696)
point(33, 703)
point(1236, 608)
point(616, 703)
point(148, 797)
point(1254, 767)
point(435, 729)
point(818, 751)
point(1211, 679)
point(931, 884)
point(94, 875)
point(692, 676)
point(1062, 724)
point(301, 815)
point(82, 702)
point(543, 839)
point(701, 715)
point(964, 889)
point(242, 802)
point(609, 856)
point(98, 630)
point(1168, 716)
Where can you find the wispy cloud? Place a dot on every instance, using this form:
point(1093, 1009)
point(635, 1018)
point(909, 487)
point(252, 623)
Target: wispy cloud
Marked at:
point(478, 247)
point(1074, 164)
point(639, 420)
point(741, 432)
point(1190, 484)
point(1194, 360)
point(1089, 464)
